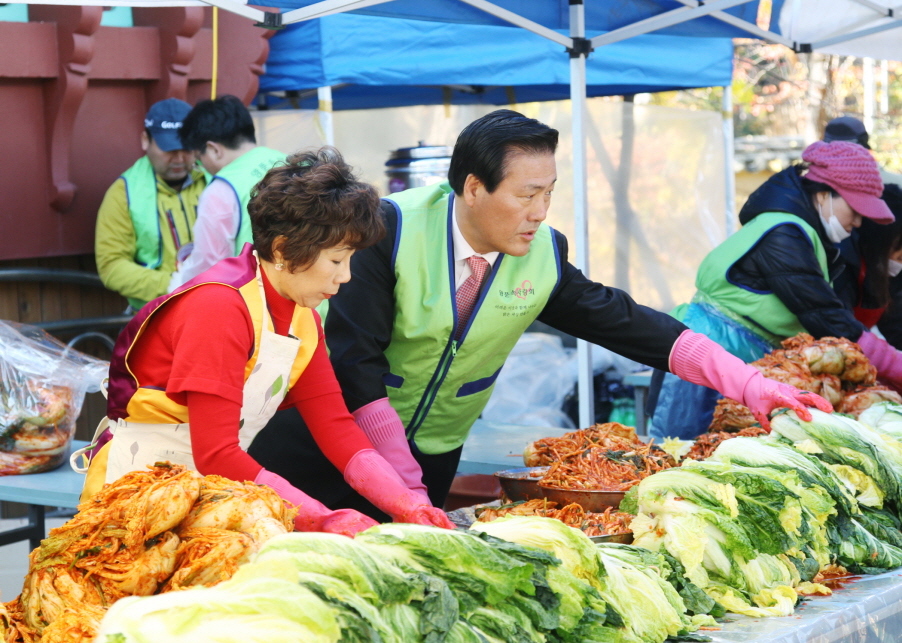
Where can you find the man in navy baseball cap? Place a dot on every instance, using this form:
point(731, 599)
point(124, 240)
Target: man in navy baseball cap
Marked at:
point(849, 128)
point(163, 122)
point(146, 220)
point(846, 128)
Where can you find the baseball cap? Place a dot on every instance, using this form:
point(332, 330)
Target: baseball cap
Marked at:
point(849, 169)
point(846, 128)
point(164, 120)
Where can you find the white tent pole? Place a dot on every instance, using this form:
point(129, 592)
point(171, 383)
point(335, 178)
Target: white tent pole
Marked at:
point(325, 8)
point(739, 23)
point(240, 8)
point(520, 21)
point(673, 17)
point(324, 113)
point(729, 154)
point(581, 202)
point(879, 8)
point(867, 80)
point(892, 24)
point(753, 29)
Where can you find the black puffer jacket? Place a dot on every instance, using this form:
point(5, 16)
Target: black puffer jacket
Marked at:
point(784, 262)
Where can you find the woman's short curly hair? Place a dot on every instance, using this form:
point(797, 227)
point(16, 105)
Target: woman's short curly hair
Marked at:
point(316, 202)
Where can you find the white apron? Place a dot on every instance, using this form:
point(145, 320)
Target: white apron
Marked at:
point(136, 445)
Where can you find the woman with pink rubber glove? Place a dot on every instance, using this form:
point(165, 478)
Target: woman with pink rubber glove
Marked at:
point(773, 279)
point(197, 374)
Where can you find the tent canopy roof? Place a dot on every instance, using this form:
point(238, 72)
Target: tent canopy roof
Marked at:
point(850, 27)
point(389, 62)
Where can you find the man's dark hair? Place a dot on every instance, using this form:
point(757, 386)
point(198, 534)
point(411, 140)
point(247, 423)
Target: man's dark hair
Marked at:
point(484, 146)
point(316, 202)
point(224, 120)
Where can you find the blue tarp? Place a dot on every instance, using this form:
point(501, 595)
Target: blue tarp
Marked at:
point(601, 15)
point(389, 62)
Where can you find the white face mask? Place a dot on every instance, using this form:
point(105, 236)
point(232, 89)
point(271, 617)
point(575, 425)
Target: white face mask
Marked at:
point(835, 231)
point(895, 267)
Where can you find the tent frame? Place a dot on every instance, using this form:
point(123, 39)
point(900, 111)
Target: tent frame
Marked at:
point(692, 9)
point(578, 47)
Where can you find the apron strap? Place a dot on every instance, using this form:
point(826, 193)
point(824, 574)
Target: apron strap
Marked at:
point(82, 452)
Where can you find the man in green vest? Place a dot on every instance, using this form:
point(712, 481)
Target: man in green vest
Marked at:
point(222, 133)
point(147, 215)
point(420, 333)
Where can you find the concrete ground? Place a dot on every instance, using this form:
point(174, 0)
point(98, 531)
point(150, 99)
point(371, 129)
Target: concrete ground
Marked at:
point(14, 558)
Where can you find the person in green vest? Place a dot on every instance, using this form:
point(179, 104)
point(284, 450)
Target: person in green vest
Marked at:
point(148, 213)
point(221, 132)
point(419, 334)
point(772, 279)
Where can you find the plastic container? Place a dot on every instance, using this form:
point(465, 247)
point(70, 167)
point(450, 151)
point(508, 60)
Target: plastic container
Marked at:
point(414, 167)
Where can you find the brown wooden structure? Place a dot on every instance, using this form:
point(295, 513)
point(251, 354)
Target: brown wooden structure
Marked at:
point(73, 95)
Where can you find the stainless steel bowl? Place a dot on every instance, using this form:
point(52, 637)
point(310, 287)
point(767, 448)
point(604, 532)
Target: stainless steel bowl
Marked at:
point(523, 484)
point(623, 539)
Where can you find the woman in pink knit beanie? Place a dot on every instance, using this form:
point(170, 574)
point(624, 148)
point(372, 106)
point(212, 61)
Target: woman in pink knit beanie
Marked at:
point(772, 278)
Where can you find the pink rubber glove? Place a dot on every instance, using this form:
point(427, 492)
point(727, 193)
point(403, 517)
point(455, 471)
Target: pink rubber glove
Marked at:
point(312, 514)
point(375, 479)
point(885, 358)
point(697, 359)
point(381, 424)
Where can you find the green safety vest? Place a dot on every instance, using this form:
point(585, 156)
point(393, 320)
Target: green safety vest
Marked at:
point(243, 174)
point(147, 203)
point(756, 309)
point(141, 192)
point(439, 386)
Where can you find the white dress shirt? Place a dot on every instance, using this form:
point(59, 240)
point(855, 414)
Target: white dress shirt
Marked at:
point(463, 251)
point(218, 217)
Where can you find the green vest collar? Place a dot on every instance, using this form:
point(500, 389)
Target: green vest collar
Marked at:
point(141, 192)
point(242, 175)
point(762, 312)
point(440, 386)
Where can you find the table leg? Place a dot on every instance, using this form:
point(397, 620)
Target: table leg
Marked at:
point(36, 518)
point(33, 530)
point(640, 393)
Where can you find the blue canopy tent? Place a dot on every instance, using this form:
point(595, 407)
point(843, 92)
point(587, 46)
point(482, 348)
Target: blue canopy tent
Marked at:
point(803, 25)
point(373, 61)
point(590, 25)
point(479, 32)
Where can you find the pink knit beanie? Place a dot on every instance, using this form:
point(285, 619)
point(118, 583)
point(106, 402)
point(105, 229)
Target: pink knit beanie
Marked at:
point(849, 169)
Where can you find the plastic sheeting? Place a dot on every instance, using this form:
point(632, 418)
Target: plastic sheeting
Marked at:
point(867, 610)
point(655, 179)
point(531, 387)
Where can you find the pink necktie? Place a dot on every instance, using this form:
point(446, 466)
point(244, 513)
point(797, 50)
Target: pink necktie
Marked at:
point(469, 292)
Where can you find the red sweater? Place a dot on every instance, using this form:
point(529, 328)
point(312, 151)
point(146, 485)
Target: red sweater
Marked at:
point(196, 348)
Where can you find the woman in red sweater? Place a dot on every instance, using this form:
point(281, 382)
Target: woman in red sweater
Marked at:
point(198, 373)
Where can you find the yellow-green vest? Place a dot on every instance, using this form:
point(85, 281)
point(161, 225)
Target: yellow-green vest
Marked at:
point(438, 385)
point(758, 309)
point(243, 174)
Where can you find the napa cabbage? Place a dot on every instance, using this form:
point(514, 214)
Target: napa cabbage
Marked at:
point(258, 610)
